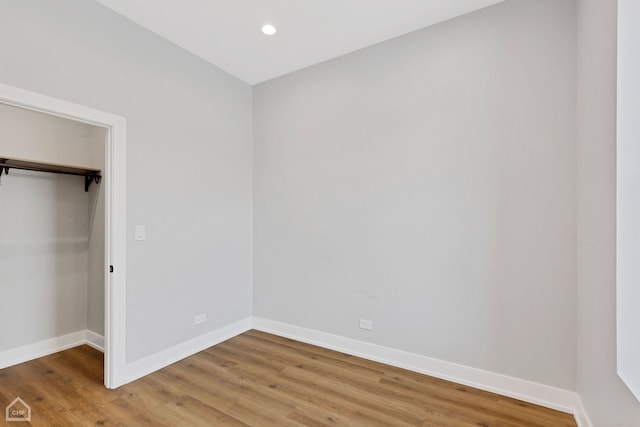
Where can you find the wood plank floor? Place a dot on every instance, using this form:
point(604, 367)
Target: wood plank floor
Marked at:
point(260, 380)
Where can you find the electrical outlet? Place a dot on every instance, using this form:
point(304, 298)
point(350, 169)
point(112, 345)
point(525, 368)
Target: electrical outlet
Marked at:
point(199, 319)
point(366, 324)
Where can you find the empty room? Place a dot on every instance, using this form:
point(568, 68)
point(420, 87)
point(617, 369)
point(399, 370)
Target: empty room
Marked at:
point(319, 213)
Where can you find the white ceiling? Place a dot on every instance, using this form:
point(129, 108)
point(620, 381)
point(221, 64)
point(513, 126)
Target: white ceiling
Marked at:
point(227, 33)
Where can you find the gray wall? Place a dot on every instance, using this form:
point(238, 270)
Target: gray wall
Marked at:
point(428, 184)
point(44, 227)
point(189, 158)
point(607, 400)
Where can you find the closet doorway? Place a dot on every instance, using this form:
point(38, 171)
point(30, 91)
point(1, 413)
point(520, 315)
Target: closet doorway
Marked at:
point(70, 230)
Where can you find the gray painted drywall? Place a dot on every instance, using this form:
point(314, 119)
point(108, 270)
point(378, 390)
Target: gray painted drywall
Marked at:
point(428, 184)
point(34, 136)
point(95, 284)
point(44, 223)
point(608, 401)
point(189, 158)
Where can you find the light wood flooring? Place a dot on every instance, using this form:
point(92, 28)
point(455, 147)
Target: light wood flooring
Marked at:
point(261, 380)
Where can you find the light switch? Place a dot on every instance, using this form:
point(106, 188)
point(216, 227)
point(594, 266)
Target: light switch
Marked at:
point(141, 232)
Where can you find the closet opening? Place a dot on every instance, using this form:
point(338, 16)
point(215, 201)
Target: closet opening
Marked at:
point(62, 231)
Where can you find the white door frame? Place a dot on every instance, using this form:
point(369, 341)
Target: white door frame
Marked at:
point(115, 215)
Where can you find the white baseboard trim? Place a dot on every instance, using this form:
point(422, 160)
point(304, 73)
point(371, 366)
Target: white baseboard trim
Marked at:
point(157, 361)
point(94, 340)
point(539, 394)
point(43, 348)
point(582, 419)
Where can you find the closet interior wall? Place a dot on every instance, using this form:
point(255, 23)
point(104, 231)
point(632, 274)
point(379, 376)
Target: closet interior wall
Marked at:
point(51, 231)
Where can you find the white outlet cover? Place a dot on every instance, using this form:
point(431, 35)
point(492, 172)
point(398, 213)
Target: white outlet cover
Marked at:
point(366, 324)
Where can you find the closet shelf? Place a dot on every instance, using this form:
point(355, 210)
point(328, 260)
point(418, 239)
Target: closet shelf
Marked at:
point(90, 175)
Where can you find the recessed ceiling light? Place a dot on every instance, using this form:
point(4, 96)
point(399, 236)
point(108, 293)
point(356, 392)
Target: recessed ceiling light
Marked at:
point(269, 29)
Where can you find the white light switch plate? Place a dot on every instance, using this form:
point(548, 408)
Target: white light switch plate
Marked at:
point(141, 232)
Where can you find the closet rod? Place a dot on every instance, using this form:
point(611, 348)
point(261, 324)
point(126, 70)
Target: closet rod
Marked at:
point(90, 175)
